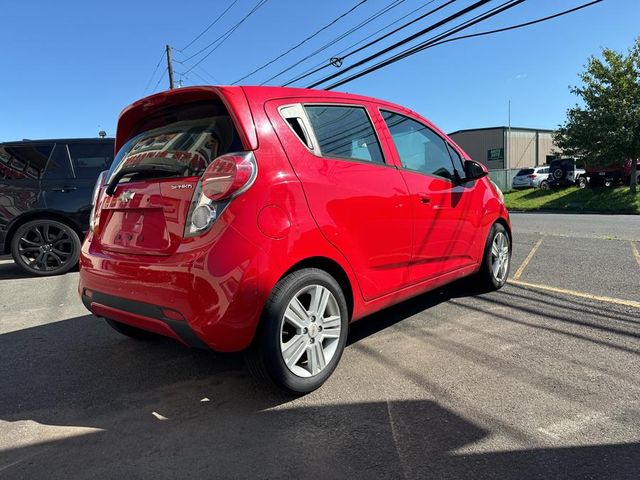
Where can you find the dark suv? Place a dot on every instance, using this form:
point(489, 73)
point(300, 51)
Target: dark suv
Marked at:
point(565, 172)
point(45, 199)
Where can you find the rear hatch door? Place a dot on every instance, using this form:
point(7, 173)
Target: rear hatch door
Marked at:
point(146, 217)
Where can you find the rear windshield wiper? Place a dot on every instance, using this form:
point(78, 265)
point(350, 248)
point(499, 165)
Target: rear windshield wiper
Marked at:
point(150, 168)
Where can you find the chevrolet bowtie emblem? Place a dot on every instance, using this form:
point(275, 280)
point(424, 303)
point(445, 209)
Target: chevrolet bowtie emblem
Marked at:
point(126, 196)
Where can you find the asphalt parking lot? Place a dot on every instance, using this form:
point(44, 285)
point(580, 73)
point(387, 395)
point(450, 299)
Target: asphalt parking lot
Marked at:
point(538, 380)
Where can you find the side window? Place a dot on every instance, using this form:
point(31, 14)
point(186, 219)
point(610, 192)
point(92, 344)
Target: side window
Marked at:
point(419, 148)
point(458, 164)
point(59, 166)
point(89, 159)
point(23, 162)
point(344, 132)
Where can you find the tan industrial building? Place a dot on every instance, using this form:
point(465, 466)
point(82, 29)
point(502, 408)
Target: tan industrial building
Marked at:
point(507, 148)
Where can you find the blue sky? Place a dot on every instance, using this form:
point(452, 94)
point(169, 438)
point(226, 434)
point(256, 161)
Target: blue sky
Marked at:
point(69, 67)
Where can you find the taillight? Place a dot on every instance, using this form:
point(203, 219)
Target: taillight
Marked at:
point(531, 176)
point(227, 175)
point(93, 218)
point(225, 178)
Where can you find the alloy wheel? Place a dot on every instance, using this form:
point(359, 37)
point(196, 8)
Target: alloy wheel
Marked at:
point(500, 257)
point(46, 247)
point(310, 331)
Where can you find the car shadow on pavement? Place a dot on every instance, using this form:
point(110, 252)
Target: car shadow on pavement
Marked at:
point(9, 270)
point(390, 316)
point(157, 409)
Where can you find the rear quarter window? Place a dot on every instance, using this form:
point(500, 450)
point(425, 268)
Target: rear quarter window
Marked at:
point(344, 132)
point(524, 171)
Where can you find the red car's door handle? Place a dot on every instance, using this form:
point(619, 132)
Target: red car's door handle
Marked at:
point(424, 199)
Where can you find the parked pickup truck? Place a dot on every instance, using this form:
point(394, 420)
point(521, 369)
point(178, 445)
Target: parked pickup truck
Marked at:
point(612, 174)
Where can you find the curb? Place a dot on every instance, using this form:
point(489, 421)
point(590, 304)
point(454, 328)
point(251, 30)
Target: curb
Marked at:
point(573, 212)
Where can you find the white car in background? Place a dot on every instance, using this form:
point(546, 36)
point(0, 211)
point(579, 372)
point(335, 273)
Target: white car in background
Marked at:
point(531, 177)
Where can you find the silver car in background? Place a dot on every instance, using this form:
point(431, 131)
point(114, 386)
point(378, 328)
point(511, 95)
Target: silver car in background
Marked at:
point(531, 177)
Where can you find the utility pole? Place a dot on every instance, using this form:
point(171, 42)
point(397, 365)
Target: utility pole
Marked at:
point(169, 67)
point(507, 154)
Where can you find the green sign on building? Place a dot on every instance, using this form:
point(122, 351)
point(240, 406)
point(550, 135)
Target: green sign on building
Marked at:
point(495, 154)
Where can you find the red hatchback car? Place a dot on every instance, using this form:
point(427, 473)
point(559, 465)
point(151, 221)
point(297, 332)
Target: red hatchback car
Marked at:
point(267, 219)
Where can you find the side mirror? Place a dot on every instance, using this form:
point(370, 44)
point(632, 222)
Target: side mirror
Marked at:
point(473, 171)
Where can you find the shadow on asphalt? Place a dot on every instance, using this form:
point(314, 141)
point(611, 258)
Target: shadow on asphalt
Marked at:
point(10, 271)
point(220, 424)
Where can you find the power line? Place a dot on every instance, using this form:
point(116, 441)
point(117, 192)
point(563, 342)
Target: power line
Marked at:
point(332, 22)
point(164, 72)
point(514, 27)
point(422, 32)
point(366, 21)
point(209, 27)
point(431, 41)
point(327, 63)
point(221, 39)
point(323, 65)
point(154, 73)
point(203, 70)
point(441, 39)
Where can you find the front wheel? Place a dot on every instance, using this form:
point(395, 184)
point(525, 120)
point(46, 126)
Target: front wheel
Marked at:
point(303, 332)
point(582, 182)
point(496, 260)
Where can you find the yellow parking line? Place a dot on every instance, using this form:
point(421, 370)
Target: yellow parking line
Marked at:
point(589, 296)
point(521, 268)
point(635, 251)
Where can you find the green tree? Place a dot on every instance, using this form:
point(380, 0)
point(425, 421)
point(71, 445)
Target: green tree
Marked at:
point(605, 129)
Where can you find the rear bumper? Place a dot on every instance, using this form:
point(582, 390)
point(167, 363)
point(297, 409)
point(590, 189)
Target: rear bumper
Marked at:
point(209, 298)
point(141, 315)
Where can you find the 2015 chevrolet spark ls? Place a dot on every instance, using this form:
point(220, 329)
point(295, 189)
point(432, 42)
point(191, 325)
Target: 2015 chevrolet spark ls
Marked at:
point(268, 219)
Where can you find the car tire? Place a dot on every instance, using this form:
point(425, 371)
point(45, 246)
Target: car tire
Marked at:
point(581, 182)
point(288, 350)
point(129, 331)
point(608, 183)
point(45, 247)
point(558, 173)
point(544, 185)
point(498, 242)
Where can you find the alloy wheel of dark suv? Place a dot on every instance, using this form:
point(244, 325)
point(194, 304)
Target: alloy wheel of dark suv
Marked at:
point(45, 247)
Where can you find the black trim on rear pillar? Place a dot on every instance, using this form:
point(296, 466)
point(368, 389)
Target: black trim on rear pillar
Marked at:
point(181, 329)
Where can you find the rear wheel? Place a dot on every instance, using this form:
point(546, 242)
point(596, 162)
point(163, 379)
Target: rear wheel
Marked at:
point(544, 185)
point(496, 260)
point(303, 332)
point(581, 182)
point(45, 247)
